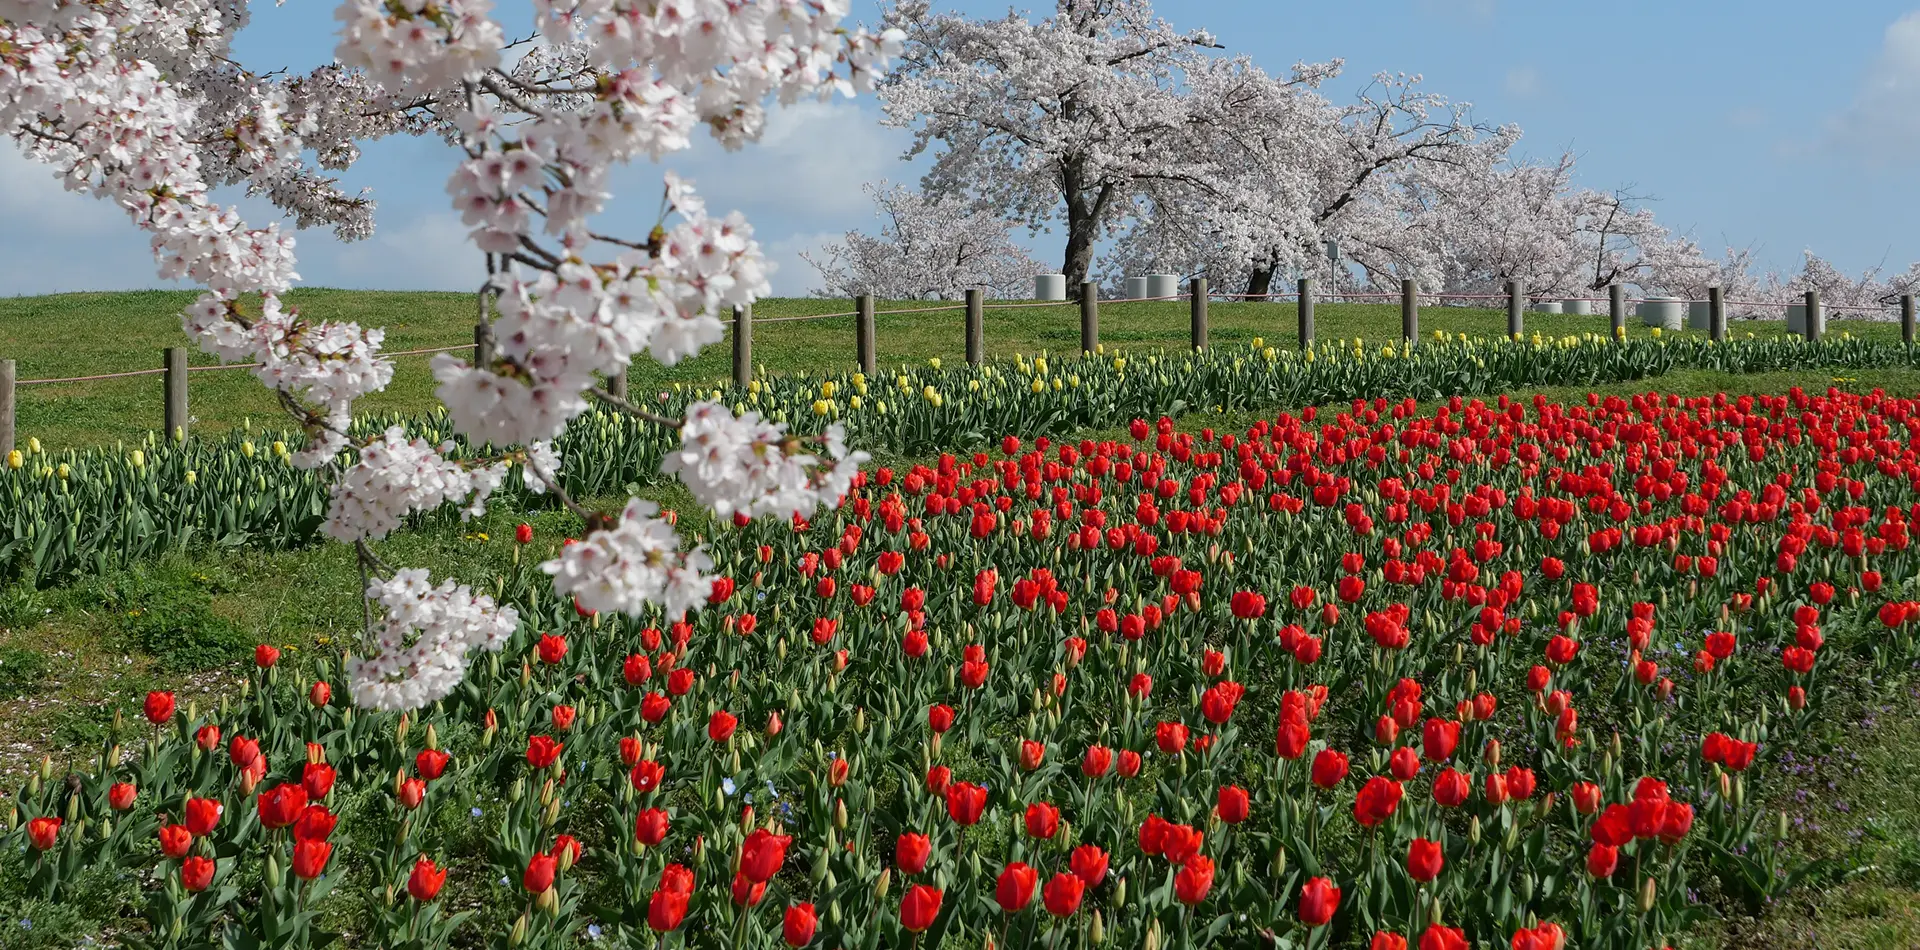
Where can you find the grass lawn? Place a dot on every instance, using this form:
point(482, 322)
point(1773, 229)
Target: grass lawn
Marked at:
point(86, 334)
point(70, 657)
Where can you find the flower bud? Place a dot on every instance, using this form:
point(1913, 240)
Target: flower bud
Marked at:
point(880, 886)
point(1097, 929)
point(1473, 830)
point(1492, 753)
point(840, 814)
point(518, 935)
point(1646, 896)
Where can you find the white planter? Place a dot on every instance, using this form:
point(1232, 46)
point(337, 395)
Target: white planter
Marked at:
point(1163, 285)
point(1700, 315)
point(1797, 318)
point(1546, 306)
point(1579, 307)
point(1136, 288)
point(1050, 287)
point(1667, 313)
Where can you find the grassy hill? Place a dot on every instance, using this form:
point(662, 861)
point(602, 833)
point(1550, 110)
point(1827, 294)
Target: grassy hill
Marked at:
point(86, 334)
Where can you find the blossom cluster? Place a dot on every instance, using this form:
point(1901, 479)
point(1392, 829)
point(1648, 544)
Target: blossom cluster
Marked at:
point(420, 647)
point(141, 104)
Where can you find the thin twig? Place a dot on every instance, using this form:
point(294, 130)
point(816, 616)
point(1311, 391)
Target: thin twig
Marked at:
point(625, 406)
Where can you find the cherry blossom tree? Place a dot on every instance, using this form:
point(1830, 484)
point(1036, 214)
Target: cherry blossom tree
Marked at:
point(1062, 120)
point(928, 247)
point(1290, 170)
point(140, 103)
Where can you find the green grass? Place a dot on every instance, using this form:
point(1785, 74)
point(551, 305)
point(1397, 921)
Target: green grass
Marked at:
point(87, 334)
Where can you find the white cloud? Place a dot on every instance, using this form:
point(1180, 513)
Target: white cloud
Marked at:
point(430, 252)
point(1882, 124)
point(809, 164)
point(65, 241)
point(1523, 82)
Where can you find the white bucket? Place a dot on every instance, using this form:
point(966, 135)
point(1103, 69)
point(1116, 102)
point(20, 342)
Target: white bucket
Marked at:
point(1797, 318)
point(1700, 315)
point(1136, 288)
point(1667, 313)
point(1163, 285)
point(1580, 307)
point(1050, 287)
point(1546, 306)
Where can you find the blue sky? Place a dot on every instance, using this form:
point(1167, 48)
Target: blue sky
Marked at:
point(1770, 124)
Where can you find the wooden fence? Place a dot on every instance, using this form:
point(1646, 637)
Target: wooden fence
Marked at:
point(175, 369)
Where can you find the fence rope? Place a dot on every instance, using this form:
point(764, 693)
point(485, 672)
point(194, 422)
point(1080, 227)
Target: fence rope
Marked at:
point(204, 369)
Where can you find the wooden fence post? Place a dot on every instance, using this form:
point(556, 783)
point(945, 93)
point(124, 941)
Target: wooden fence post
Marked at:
point(1617, 309)
point(176, 378)
point(1716, 314)
point(1814, 317)
point(976, 327)
point(1409, 310)
point(1089, 316)
point(6, 406)
point(1516, 309)
point(1906, 319)
point(863, 333)
point(482, 345)
point(1197, 304)
point(617, 382)
point(743, 345)
point(1305, 309)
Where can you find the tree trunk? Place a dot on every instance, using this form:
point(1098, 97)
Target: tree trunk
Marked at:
point(1260, 281)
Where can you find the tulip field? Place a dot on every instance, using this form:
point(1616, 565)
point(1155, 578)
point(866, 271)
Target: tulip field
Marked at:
point(1512, 673)
point(71, 513)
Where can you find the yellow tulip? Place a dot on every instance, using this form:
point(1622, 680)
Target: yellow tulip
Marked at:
point(1039, 385)
point(191, 478)
point(1268, 353)
point(935, 362)
point(854, 402)
point(826, 389)
point(246, 449)
point(33, 446)
point(138, 458)
point(15, 459)
point(63, 471)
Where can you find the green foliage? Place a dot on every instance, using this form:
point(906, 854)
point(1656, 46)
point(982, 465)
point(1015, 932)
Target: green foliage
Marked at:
point(169, 614)
point(21, 671)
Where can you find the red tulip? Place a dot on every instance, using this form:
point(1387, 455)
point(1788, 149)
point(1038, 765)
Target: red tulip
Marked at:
point(1171, 737)
point(650, 826)
point(940, 717)
point(965, 802)
point(158, 707)
point(1318, 900)
point(654, 707)
point(1232, 804)
point(317, 778)
point(1451, 788)
point(310, 857)
point(748, 892)
point(1062, 895)
point(1404, 763)
point(1089, 863)
point(542, 751)
point(1376, 801)
point(43, 832)
point(432, 763)
point(1096, 762)
point(762, 854)
point(1043, 820)
point(1329, 767)
point(265, 656)
point(911, 851)
point(1439, 738)
point(939, 778)
point(316, 823)
point(1440, 937)
point(720, 725)
point(797, 927)
point(1586, 797)
point(523, 533)
point(551, 648)
point(425, 881)
point(667, 908)
point(1194, 880)
point(411, 793)
point(1129, 763)
point(175, 840)
point(539, 874)
point(1424, 859)
point(1014, 890)
point(196, 874)
point(320, 694)
point(1602, 859)
point(279, 806)
point(918, 908)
